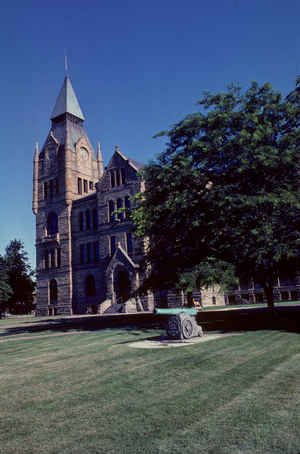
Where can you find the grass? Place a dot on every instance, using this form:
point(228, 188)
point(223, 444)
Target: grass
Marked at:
point(92, 393)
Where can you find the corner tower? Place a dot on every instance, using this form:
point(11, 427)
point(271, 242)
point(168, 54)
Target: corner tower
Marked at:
point(65, 169)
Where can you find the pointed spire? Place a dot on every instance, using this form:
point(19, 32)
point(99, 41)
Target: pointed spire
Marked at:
point(67, 102)
point(100, 161)
point(117, 148)
point(35, 179)
point(36, 153)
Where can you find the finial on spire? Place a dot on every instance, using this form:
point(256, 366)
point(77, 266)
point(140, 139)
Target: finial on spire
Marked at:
point(117, 148)
point(66, 63)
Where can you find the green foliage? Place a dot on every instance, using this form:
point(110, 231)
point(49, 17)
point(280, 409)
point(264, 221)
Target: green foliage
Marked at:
point(19, 278)
point(5, 289)
point(227, 188)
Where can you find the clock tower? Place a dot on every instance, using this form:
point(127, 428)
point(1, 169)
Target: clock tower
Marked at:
point(65, 169)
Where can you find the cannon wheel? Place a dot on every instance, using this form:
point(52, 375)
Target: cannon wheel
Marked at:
point(187, 328)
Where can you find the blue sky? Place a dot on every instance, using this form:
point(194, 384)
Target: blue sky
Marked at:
point(137, 67)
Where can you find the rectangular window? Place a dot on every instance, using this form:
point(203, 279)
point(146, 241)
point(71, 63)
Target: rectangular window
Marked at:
point(82, 254)
point(85, 185)
point(91, 185)
point(96, 251)
point(51, 189)
point(45, 190)
point(89, 252)
point(112, 245)
point(129, 244)
point(79, 183)
point(122, 175)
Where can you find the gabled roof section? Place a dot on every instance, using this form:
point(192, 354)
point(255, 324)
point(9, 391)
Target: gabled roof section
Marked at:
point(134, 164)
point(121, 256)
point(67, 102)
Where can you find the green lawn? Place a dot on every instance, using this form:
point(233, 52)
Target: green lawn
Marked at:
point(91, 393)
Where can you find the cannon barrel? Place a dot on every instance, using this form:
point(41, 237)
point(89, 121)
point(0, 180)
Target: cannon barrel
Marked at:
point(176, 310)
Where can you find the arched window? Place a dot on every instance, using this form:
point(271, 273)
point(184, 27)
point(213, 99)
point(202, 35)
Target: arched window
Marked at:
point(111, 209)
point(53, 291)
point(52, 223)
point(119, 206)
point(90, 286)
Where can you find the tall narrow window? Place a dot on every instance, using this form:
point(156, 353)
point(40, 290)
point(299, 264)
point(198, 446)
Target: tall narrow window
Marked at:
point(117, 178)
point(91, 185)
point(58, 257)
point(129, 242)
point(122, 175)
point(111, 209)
point(81, 227)
point(119, 207)
point(96, 251)
point(52, 257)
point(89, 252)
point(87, 220)
point(79, 184)
point(53, 291)
point(112, 178)
point(112, 245)
point(82, 254)
point(52, 223)
point(51, 189)
point(45, 190)
point(95, 218)
point(85, 185)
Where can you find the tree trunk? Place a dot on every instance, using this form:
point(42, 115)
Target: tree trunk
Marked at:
point(268, 288)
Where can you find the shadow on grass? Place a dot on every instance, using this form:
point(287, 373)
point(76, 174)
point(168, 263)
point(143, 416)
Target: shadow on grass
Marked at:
point(283, 318)
point(85, 323)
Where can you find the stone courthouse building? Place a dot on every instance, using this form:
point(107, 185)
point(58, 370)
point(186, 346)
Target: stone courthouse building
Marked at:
point(87, 258)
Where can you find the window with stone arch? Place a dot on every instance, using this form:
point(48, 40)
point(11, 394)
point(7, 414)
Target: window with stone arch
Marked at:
point(53, 291)
point(90, 286)
point(52, 223)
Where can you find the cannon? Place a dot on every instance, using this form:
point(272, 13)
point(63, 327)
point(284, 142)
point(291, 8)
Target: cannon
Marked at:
point(181, 323)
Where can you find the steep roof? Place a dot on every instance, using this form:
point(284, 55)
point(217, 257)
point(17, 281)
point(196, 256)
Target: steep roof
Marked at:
point(67, 102)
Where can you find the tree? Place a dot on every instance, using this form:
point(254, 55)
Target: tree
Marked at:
point(5, 289)
point(225, 191)
point(20, 278)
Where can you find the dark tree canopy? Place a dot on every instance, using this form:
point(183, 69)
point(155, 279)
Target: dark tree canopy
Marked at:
point(224, 196)
point(5, 289)
point(19, 278)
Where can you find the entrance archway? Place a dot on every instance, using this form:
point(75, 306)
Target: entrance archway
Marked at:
point(122, 285)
